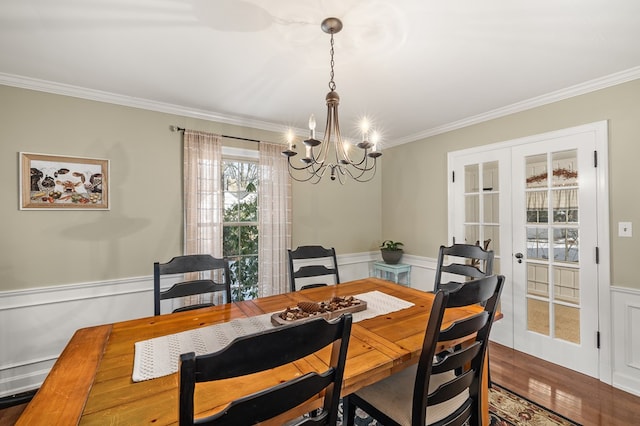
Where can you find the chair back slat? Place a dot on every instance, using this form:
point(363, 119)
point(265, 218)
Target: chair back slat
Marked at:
point(244, 355)
point(300, 269)
point(465, 262)
point(473, 291)
point(274, 401)
point(196, 263)
point(190, 288)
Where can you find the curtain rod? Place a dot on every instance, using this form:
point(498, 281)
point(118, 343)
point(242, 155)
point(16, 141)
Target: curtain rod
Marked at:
point(182, 129)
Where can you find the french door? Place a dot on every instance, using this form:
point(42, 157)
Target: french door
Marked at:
point(535, 202)
point(478, 198)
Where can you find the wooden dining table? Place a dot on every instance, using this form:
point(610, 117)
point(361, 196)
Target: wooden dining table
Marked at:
point(91, 382)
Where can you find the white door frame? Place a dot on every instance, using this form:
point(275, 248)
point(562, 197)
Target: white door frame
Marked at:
point(600, 130)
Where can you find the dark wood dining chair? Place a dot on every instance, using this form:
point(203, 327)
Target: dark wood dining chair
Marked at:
point(312, 262)
point(263, 351)
point(218, 280)
point(463, 262)
point(444, 388)
point(469, 262)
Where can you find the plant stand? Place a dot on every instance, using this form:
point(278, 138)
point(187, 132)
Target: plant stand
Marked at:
point(398, 273)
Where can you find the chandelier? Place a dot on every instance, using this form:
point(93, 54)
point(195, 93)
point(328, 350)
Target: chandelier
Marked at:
point(332, 153)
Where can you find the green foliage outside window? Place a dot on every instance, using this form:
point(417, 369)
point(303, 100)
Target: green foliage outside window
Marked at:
point(240, 232)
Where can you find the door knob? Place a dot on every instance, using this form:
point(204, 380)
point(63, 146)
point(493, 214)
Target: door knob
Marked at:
point(519, 256)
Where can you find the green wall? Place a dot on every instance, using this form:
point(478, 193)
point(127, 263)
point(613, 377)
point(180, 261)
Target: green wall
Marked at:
point(47, 248)
point(414, 188)
point(406, 202)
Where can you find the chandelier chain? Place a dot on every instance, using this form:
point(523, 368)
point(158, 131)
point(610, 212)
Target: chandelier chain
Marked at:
point(332, 84)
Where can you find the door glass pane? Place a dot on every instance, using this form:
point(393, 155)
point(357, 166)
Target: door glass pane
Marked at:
point(490, 207)
point(537, 171)
point(496, 266)
point(471, 234)
point(490, 181)
point(537, 243)
point(537, 207)
point(537, 280)
point(471, 178)
point(491, 238)
point(538, 316)
point(567, 323)
point(565, 170)
point(565, 205)
point(472, 208)
point(566, 284)
point(565, 244)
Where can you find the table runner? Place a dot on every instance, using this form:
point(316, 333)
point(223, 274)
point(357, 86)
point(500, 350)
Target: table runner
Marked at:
point(160, 356)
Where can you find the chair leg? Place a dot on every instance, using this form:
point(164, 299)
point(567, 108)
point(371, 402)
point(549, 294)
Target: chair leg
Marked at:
point(348, 412)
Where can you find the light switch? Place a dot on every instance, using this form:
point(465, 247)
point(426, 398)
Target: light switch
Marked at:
point(625, 229)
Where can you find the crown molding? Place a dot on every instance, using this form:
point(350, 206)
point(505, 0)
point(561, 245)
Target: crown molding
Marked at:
point(129, 101)
point(113, 98)
point(569, 92)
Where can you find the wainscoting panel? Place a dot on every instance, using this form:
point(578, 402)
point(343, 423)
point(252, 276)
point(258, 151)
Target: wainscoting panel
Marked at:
point(625, 308)
point(43, 320)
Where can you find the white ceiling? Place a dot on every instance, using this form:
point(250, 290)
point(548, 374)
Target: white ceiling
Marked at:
point(416, 67)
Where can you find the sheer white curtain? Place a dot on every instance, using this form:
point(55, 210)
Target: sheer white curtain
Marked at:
point(203, 201)
point(203, 198)
point(274, 220)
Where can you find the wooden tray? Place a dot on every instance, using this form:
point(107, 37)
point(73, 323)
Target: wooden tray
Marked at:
point(276, 320)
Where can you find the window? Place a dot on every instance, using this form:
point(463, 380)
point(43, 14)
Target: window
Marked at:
point(240, 225)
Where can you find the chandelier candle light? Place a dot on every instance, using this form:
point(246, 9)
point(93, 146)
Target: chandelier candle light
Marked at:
point(317, 157)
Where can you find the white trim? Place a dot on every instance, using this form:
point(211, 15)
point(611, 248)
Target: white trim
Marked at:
point(232, 152)
point(146, 104)
point(604, 268)
point(600, 128)
point(538, 101)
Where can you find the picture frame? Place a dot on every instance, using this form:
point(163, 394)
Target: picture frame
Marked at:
point(57, 182)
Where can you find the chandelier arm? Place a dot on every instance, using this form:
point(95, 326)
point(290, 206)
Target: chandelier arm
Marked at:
point(340, 174)
point(359, 178)
point(292, 166)
point(368, 166)
point(311, 176)
point(365, 160)
point(355, 176)
point(314, 170)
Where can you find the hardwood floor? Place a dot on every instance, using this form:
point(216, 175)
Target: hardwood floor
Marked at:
point(576, 396)
point(581, 398)
point(10, 415)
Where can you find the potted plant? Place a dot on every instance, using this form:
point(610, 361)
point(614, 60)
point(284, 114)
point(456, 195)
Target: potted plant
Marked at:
point(391, 251)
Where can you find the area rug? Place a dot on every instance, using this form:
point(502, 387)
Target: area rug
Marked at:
point(505, 409)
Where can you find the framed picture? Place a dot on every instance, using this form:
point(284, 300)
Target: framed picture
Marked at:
point(61, 182)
